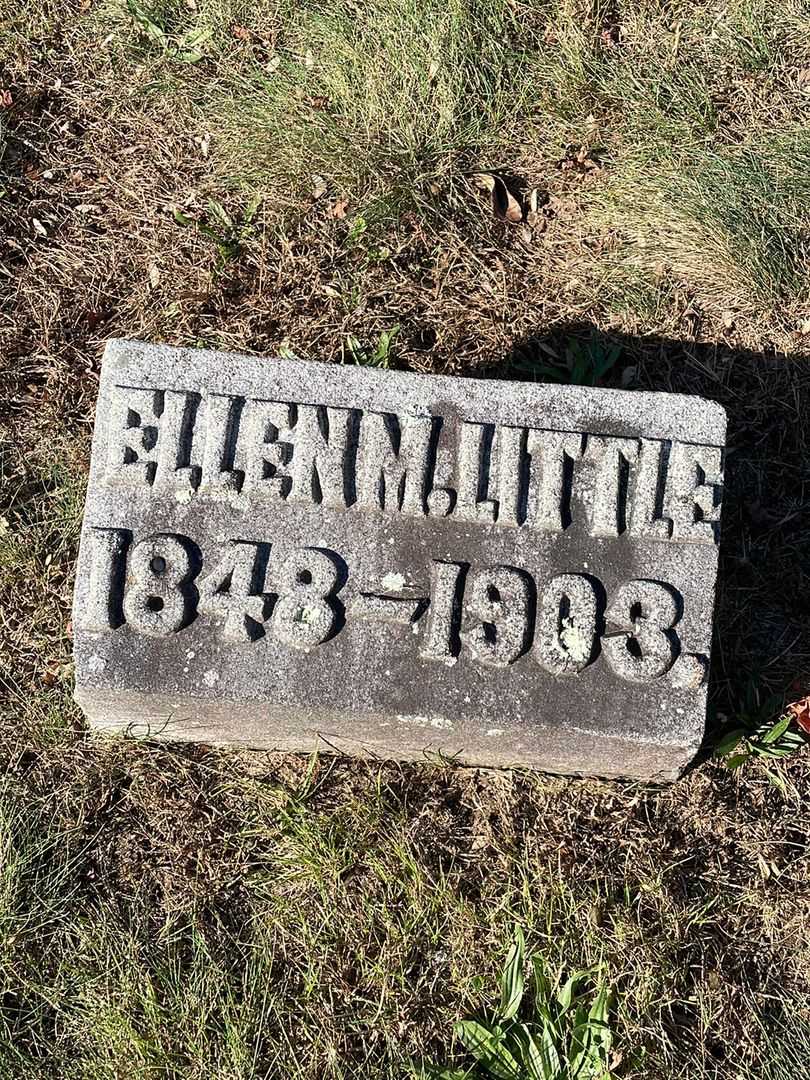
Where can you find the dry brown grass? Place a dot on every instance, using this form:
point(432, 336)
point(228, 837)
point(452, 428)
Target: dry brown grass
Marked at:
point(354, 910)
point(186, 912)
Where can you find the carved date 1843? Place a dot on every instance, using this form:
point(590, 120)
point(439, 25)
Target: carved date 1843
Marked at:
point(158, 585)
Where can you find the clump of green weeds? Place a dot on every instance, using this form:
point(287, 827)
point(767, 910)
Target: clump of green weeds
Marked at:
point(228, 233)
point(185, 48)
point(771, 739)
point(559, 1032)
point(377, 356)
point(581, 362)
point(757, 735)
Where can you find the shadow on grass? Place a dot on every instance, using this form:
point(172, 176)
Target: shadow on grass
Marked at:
point(761, 645)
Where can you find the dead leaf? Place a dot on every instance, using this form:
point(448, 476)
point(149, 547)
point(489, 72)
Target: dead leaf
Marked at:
point(596, 913)
point(339, 209)
point(579, 158)
point(800, 711)
point(539, 199)
point(6, 100)
point(584, 161)
point(241, 33)
point(93, 318)
point(485, 181)
point(803, 77)
point(504, 204)
point(433, 70)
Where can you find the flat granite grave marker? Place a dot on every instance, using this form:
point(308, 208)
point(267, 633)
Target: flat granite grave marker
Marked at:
point(298, 555)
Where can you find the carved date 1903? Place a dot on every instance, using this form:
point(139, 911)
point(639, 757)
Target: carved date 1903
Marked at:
point(158, 586)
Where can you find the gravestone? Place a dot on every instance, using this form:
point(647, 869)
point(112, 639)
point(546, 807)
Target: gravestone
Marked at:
point(297, 555)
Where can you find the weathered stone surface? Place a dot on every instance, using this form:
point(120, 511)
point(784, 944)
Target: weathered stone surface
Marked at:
point(297, 555)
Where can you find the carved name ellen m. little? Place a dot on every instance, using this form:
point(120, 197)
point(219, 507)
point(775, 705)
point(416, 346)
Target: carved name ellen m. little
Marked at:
point(219, 446)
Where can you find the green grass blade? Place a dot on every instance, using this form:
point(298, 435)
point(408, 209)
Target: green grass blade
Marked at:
point(512, 978)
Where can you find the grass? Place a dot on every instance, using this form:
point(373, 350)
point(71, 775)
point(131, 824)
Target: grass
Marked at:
point(361, 127)
point(696, 121)
point(379, 99)
point(185, 912)
point(788, 1042)
point(194, 915)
